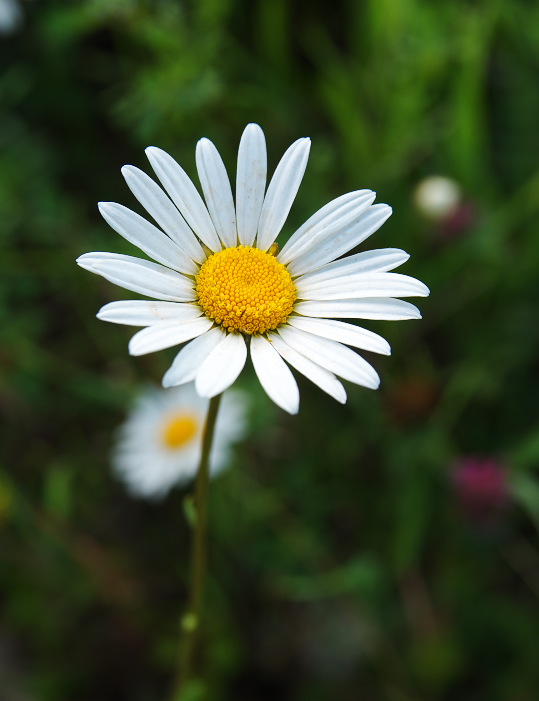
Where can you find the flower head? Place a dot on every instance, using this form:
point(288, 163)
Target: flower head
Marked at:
point(223, 286)
point(10, 16)
point(437, 197)
point(481, 487)
point(160, 443)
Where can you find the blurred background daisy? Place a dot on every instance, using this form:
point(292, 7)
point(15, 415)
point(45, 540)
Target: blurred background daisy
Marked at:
point(10, 16)
point(160, 443)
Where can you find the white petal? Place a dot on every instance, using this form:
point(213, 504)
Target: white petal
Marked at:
point(362, 285)
point(338, 220)
point(163, 210)
point(377, 261)
point(217, 191)
point(138, 275)
point(337, 245)
point(188, 361)
point(342, 332)
point(145, 313)
point(250, 182)
point(167, 334)
point(319, 220)
point(391, 309)
point(146, 236)
point(89, 260)
point(185, 196)
point(281, 192)
point(274, 375)
point(333, 356)
point(322, 378)
point(222, 366)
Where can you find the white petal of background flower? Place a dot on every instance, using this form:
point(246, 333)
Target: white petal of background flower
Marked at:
point(145, 313)
point(217, 191)
point(185, 195)
point(222, 366)
point(166, 334)
point(11, 16)
point(250, 182)
point(187, 363)
point(274, 375)
point(281, 192)
point(164, 211)
point(322, 378)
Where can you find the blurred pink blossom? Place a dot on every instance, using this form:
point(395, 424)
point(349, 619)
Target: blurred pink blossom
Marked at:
point(481, 488)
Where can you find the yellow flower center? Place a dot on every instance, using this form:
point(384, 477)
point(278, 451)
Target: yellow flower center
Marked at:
point(179, 430)
point(245, 289)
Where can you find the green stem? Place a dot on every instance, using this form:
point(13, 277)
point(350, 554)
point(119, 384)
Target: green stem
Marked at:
point(191, 621)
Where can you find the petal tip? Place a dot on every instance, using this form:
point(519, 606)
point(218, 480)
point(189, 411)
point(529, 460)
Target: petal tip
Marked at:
point(253, 131)
point(105, 207)
point(153, 152)
point(85, 261)
point(133, 347)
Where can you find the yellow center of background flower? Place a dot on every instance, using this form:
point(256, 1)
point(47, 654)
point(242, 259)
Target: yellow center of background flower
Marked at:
point(179, 430)
point(245, 289)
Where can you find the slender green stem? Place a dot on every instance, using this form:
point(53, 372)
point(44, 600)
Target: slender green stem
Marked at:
point(191, 621)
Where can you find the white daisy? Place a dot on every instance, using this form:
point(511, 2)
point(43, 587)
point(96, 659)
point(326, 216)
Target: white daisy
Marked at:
point(160, 443)
point(10, 16)
point(223, 286)
point(437, 197)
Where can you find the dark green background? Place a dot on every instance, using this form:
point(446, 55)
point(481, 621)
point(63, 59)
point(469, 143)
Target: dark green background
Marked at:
point(341, 567)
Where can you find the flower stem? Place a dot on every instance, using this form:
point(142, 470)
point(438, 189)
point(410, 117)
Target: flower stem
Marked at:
point(191, 621)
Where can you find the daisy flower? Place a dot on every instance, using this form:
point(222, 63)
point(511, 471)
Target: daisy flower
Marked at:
point(224, 288)
point(160, 443)
point(437, 197)
point(10, 16)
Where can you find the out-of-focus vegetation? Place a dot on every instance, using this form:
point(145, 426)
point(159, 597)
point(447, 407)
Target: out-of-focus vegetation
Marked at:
point(343, 564)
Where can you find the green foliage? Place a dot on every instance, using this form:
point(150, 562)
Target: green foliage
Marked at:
point(341, 564)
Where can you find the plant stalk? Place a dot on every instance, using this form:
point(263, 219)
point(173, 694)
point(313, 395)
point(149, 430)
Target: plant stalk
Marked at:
point(192, 619)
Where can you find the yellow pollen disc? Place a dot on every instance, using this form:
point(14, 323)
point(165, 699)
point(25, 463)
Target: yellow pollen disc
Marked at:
point(179, 430)
point(245, 289)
